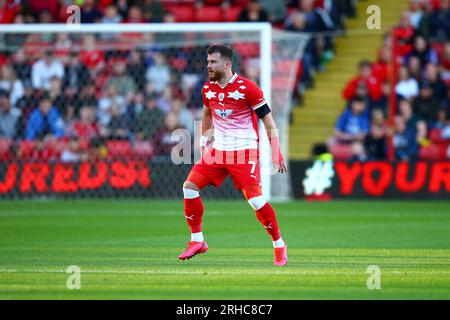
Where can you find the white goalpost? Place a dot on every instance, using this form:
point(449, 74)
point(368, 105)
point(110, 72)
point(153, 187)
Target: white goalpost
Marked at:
point(274, 47)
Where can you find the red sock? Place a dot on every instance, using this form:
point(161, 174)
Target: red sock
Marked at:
point(193, 211)
point(266, 215)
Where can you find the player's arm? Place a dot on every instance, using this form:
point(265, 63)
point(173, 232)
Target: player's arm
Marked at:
point(265, 115)
point(206, 126)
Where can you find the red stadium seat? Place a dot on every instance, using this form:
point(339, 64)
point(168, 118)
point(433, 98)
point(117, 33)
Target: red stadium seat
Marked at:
point(213, 2)
point(143, 149)
point(241, 3)
point(182, 12)
point(208, 14)
point(247, 50)
point(342, 151)
point(231, 14)
point(118, 149)
point(433, 152)
point(280, 82)
point(5, 149)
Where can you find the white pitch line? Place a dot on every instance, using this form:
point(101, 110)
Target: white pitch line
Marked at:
point(215, 272)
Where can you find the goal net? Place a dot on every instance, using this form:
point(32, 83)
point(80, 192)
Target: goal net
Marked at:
point(105, 92)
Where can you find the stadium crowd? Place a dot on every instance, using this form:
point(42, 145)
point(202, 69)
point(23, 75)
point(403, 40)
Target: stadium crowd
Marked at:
point(421, 124)
point(69, 97)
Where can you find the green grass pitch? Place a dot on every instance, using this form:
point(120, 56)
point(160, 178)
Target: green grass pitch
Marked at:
point(128, 249)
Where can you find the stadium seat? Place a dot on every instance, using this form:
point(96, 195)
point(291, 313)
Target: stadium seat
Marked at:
point(182, 12)
point(5, 149)
point(283, 66)
point(143, 149)
point(247, 50)
point(280, 82)
point(231, 14)
point(208, 14)
point(342, 151)
point(118, 149)
point(241, 3)
point(213, 2)
point(433, 152)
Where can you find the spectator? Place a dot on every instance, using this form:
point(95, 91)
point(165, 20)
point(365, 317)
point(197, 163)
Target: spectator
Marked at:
point(424, 25)
point(383, 103)
point(123, 83)
point(445, 73)
point(164, 101)
point(118, 125)
point(135, 68)
point(90, 13)
point(45, 69)
point(76, 74)
point(135, 108)
point(164, 140)
point(413, 122)
point(8, 11)
point(405, 144)
point(134, 15)
point(433, 77)
point(427, 105)
point(439, 23)
point(106, 102)
point(365, 75)
point(380, 68)
point(21, 66)
point(44, 122)
point(88, 97)
point(158, 73)
point(276, 10)
point(10, 83)
point(122, 7)
point(184, 117)
point(153, 11)
point(415, 68)
point(415, 7)
point(86, 127)
point(405, 33)
point(51, 6)
point(407, 87)
point(62, 47)
point(149, 121)
point(309, 58)
point(111, 16)
point(352, 127)
point(9, 117)
point(57, 97)
point(254, 12)
point(73, 152)
point(375, 142)
point(423, 51)
point(91, 56)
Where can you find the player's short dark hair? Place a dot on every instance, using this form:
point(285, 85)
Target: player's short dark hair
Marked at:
point(225, 51)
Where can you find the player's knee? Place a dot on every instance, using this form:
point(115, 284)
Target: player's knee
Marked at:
point(190, 185)
point(190, 190)
point(257, 202)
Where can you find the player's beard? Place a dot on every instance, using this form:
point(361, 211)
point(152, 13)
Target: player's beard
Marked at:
point(215, 75)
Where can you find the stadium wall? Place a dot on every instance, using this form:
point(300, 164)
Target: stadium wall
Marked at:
point(311, 180)
point(370, 180)
point(103, 179)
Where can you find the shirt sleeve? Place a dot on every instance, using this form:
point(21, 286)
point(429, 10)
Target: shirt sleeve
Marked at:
point(204, 99)
point(255, 96)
